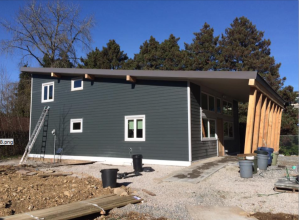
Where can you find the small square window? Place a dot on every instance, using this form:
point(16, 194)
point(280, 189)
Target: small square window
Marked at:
point(48, 92)
point(135, 128)
point(76, 84)
point(76, 125)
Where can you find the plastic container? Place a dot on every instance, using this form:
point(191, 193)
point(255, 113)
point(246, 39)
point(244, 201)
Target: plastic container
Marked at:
point(246, 168)
point(262, 161)
point(137, 162)
point(270, 151)
point(109, 177)
point(261, 152)
point(254, 160)
point(274, 160)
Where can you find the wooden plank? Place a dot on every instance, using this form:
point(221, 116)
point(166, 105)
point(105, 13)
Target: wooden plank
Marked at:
point(278, 131)
point(56, 75)
point(270, 124)
point(262, 121)
point(257, 122)
point(250, 120)
point(148, 192)
point(131, 79)
point(78, 209)
point(53, 174)
point(274, 127)
point(266, 124)
point(220, 133)
point(89, 76)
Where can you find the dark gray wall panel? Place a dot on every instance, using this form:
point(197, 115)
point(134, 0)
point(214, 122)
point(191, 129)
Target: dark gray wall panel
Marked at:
point(103, 104)
point(200, 149)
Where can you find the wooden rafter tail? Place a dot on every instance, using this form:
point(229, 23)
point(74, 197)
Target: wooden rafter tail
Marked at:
point(56, 75)
point(89, 76)
point(130, 79)
point(257, 121)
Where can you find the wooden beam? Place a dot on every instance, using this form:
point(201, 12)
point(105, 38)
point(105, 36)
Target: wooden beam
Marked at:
point(89, 76)
point(278, 131)
point(220, 133)
point(270, 125)
point(275, 116)
point(56, 75)
point(131, 79)
point(262, 122)
point(266, 124)
point(257, 121)
point(250, 120)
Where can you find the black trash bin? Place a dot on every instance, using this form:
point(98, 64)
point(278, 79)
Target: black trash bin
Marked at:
point(109, 177)
point(137, 162)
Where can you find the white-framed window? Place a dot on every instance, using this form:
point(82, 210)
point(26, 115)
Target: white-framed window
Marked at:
point(207, 102)
point(135, 128)
point(76, 84)
point(76, 125)
point(208, 128)
point(227, 108)
point(48, 92)
point(228, 129)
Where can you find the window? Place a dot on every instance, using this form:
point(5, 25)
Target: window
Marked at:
point(135, 128)
point(227, 108)
point(48, 92)
point(76, 84)
point(208, 102)
point(76, 125)
point(228, 129)
point(208, 128)
point(219, 110)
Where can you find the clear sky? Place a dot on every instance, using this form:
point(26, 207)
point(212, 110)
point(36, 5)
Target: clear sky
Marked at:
point(130, 23)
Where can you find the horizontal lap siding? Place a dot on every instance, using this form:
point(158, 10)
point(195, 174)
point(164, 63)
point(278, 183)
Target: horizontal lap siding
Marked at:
point(103, 104)
point(200, 149)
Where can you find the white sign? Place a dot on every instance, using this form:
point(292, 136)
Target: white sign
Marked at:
point(6, 141)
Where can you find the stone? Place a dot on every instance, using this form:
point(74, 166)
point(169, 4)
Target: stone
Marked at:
point(119, 191)
point(30, 207)
point(2, 204)
point(20, 188)
point(67, 193)
point(31, 173)
point(74, 185)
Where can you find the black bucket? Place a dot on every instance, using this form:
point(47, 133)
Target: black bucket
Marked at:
point(109, 177)
point(261, 152)
point(137, 162)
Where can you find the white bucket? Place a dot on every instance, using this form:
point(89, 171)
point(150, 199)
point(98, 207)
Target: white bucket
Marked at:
point(249, 157)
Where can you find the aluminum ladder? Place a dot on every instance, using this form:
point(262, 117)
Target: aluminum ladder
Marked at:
point(35, 134)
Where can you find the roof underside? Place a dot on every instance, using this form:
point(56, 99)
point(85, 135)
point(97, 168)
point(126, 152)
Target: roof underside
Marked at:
point(231, 83)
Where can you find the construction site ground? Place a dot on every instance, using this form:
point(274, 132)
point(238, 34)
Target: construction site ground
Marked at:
point(21, 193)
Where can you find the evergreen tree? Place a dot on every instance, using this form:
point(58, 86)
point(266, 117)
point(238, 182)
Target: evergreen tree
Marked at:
point(110, 57)
point(202, 53)
point(62, 61)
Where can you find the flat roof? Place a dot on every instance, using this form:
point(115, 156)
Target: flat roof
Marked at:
point(233, 83)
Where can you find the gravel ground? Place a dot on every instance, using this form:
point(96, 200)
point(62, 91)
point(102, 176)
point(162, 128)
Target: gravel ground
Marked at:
point(223, 188)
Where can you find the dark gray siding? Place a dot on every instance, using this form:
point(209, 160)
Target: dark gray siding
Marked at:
point(200, 149)
point(233, 145)
point(102, 105)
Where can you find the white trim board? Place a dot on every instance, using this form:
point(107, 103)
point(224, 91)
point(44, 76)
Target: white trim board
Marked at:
point(30, 106)
point(189, 120)
point(116, 161)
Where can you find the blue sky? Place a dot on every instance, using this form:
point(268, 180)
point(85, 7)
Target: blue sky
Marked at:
point(130, 23)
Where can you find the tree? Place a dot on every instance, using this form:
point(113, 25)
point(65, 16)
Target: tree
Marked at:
point(23, 95)
point(47, 30)
point(202, 53)
point(62, 61)
point(243, 48)
point(110, 57)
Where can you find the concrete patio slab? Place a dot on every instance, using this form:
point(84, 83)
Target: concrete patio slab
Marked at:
point(200, 170)
point(218, 213)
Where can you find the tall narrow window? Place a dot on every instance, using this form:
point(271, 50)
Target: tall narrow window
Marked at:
point(211, 103)
point(48, 92)
point(76, 125)
point(227, 108)
point(208, 128)
point(228, 129)
point(76, 84)
point(135, 128)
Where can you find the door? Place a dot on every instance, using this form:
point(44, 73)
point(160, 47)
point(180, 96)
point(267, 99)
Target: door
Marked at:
point(220, 134)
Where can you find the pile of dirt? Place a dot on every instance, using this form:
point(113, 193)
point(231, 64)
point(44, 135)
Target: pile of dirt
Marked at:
point(278, 216)
point(21, 193)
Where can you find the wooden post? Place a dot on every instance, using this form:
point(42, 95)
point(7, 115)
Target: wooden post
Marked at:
point(274, 126)
point(220, 133)
point(262, 122)
point(131, 79)
point(56, 75)
point(278, 131)
point(89, 76)
point(257, 122)
point(266, 124)
point(270, 125)
point(250, 120)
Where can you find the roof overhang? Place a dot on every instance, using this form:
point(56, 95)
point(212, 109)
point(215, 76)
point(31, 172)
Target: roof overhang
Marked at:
point(232, 83)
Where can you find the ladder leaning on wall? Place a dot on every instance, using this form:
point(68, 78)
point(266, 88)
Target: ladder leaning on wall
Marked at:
point(34, 134)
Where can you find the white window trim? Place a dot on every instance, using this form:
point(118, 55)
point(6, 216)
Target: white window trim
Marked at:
point(208, 128)
point(74, 121)
point(208, 102)
point(48, 84)
point(135, 117)
point(227, 137)
point(72, 84)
